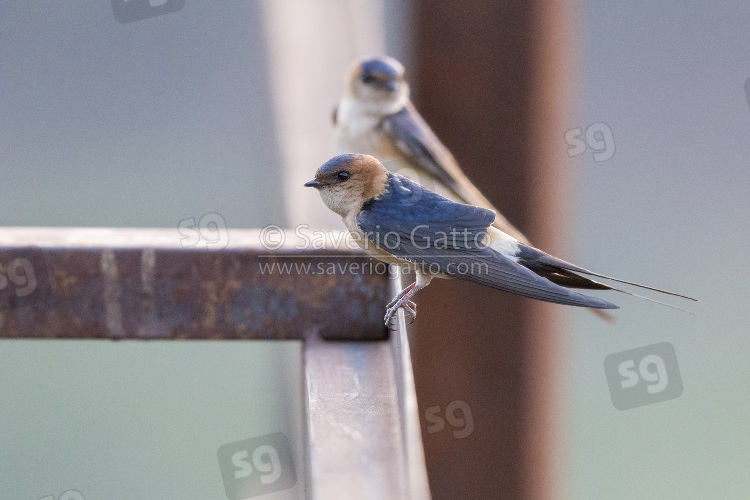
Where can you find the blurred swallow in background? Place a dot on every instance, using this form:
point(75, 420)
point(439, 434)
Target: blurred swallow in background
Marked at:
point(400, 222)
point(376, 117)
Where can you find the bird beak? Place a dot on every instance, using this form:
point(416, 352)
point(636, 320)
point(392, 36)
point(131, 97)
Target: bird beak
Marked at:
point(315, 183)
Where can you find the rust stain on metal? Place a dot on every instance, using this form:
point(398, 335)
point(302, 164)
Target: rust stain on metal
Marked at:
point(159, 293)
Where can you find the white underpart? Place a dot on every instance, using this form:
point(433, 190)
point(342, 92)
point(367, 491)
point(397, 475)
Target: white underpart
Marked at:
point(353, 107)
point(341, 201)
point(358, 125)
point(503, 243)
point(357, 121)
point(350, 220)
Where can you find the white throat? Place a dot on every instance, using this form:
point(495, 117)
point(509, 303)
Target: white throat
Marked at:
point(339, 202)
point(352, 108)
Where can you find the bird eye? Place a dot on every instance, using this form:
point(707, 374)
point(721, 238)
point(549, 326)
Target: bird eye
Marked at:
point(368, 78)
point(343, 175)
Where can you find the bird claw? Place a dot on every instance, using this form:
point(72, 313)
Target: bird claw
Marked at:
point(410, 310)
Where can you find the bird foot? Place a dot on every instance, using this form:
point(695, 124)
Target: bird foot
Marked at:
point(410, 310)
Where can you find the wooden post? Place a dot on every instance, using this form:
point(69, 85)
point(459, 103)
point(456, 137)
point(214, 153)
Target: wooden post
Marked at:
point(492, 81)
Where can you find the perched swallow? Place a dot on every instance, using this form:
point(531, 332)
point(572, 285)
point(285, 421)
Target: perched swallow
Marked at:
point(400, 222)
point(376, 117)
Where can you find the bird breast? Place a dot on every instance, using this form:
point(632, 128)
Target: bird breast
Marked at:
point(360, 131)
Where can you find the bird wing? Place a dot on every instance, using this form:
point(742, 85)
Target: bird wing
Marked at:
point(444, 237)
point(414, 138)
point(417, 141)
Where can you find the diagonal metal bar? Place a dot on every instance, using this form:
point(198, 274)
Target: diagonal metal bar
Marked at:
point(363, 441)
point(416, 470)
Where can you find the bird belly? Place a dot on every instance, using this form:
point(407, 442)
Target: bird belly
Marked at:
point(364, 136)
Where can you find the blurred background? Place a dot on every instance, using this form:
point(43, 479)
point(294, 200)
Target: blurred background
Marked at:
point(224, 107)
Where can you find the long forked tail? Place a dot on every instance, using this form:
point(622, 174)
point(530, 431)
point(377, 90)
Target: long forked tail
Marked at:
point(645, 287)
point(654, 300)
point(569, 279)
point(544, 263)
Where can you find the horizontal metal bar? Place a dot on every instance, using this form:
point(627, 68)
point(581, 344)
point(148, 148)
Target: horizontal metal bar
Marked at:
point(362, 422)
point(143, 284)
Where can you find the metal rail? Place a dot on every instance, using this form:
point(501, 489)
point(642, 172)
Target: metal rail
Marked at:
point(142, 284)
point(363, 424)
point(363, 434)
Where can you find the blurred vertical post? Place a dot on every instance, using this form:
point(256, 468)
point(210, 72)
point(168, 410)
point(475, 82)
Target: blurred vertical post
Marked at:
point(494, 81)
point(307, 64)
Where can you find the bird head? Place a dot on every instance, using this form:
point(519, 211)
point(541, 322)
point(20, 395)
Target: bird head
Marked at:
point(346, 182)
point(379, 84)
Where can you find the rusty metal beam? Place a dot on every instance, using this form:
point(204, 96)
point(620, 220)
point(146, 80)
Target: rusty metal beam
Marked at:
point(493, 80)
point(362, 426)
point(142, 284)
